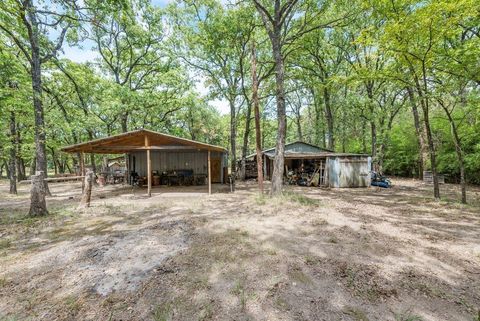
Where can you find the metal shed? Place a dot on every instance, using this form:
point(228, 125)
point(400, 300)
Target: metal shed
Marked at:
point(334, 169)
point(151, 152)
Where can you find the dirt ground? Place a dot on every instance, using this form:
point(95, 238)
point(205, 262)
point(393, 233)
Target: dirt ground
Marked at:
point(313, 254)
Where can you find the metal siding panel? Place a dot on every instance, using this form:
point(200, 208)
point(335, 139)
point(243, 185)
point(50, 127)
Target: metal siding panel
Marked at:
point(164, 161)
point(354, 172)
point(140, 163)
point(334, 172)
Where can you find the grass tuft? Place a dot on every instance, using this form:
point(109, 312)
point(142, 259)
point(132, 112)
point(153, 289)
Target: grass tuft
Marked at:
point(162, 312)
point(407, 316)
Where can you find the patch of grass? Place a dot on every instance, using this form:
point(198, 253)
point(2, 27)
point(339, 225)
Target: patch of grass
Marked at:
point(300, 199)
point(310, 260)
point(200, 282)
point(239, 290)
point(162, 312)
point(300, 277)
point(12, 318)
point(73, 304)
point(281, 303)
point(271, 251)
point(5, 244)
point(260, 199)
point(206, 313)
point(333, 240)
point(319, 222)
point(407, 316)
point(356, 314)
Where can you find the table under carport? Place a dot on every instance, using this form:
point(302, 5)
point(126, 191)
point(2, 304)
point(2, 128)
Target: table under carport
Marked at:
point(149, 151)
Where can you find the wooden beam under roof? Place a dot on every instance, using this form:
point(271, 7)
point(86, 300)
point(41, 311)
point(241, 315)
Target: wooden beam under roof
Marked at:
point(134, 140)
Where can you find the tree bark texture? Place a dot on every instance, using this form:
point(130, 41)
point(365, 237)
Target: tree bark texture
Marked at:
point(87, 191)
point(36, 75)
point(38, 204)
point(329, 119)
point(256, 107)
point(420, 133)
point(13, 155)
point(279, 161)
point(233, 141)
point(248, 117)
point(459, 152)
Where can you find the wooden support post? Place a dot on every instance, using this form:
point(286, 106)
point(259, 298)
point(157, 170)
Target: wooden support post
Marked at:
point(149, 167)
point(82, 168)
point(209, 175)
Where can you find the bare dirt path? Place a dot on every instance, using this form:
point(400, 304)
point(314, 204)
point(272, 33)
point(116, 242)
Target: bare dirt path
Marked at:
point(314, 254)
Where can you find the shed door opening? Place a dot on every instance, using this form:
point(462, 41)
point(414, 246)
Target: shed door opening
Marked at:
point(216, 163)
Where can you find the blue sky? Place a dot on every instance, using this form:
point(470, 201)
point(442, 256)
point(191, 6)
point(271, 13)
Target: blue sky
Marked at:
point(84, 53)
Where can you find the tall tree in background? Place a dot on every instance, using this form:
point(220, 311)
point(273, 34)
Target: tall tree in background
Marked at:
point(285, 22)
point(215, 44)
point(29, 26)
point(128, 36)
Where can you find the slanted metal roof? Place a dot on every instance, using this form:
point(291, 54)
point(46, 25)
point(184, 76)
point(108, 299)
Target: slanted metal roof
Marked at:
point(295, 147)
point(299, 150)
point(135, 141)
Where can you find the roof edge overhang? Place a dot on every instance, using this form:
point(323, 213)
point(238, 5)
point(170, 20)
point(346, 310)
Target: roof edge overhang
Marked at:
point(98, 146)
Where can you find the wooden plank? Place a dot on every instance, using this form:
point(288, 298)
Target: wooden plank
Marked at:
point(55, 179)
point(209, 175)
point(149, 167)
point(82, 168)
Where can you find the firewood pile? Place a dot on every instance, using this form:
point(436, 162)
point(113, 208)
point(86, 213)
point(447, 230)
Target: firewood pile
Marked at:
point(309, 174)
point(251, 169)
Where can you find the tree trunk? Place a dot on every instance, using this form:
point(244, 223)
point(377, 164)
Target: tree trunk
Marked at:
point(431, 147)
point(20, 163)
point(68, 167)
point(319, 136)
point(87, 192)
point(124, 122)
point(13, 155)
point(364, 135)
point(92, 162)
point(248, 117)
point(459, 152)
point(38, 205)
point(329, 119)
point(420, 133)
point(54, 159)
point(373, 150)
point(36, 74)
point(279, 161)
point(21, 176)
point(428, 130)
point(256, 107)
point(33, 166)
point(299, 127)
point(233, 141)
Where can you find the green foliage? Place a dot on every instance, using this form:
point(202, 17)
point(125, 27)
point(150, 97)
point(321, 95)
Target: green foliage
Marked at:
point(356, 58)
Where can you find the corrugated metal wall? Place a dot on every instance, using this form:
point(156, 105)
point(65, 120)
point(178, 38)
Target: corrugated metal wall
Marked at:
point(169, 160)
point(349, 171)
